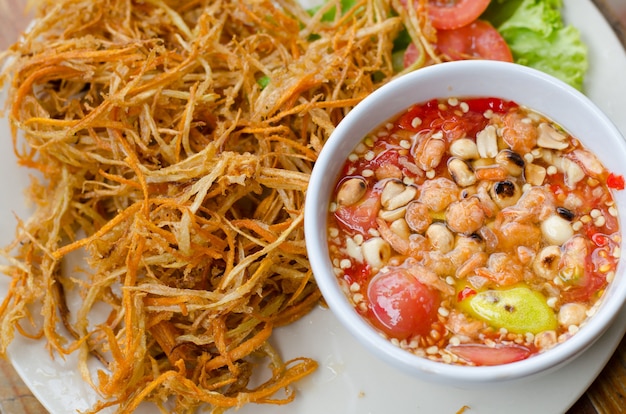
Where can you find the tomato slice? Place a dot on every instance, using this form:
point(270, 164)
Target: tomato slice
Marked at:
point(402, 305)
point(477, 40)
point(360, 217)
point(452, 14)
point(487, 355)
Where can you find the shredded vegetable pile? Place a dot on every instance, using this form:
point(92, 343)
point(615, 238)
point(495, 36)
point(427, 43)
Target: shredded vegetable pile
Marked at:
point(173, 142)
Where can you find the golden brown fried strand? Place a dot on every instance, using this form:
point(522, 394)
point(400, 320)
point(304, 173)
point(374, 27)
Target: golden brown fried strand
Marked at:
point(174, 141)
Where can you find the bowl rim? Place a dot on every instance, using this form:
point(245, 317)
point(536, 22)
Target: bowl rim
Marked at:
point(315, 223)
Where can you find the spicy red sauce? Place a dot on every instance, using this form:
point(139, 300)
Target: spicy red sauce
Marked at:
point(474, 231)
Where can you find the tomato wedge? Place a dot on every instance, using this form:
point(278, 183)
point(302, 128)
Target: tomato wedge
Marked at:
point(477, 40)
point(452, 14)
point(360, 217)
point(402, 305)
point(487, 355)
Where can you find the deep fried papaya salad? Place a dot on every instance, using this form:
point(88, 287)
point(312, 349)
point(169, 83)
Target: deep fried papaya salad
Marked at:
point(172, 142)
point(474, 231)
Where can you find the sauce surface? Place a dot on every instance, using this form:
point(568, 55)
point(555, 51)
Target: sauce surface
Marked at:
point(474, 231)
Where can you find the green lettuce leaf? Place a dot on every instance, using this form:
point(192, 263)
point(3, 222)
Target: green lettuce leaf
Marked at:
point(538, 37)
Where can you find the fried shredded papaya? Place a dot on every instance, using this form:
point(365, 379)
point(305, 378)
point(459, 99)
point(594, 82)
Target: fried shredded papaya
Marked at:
point(172, 142)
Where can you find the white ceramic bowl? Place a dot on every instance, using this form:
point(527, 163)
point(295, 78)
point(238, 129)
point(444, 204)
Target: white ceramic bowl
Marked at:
point(559, 102)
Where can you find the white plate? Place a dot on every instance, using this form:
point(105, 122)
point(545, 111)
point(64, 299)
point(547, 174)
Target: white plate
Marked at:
point(349, 380)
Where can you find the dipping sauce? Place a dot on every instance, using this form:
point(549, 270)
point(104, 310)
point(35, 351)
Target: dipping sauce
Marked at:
point(474, 231)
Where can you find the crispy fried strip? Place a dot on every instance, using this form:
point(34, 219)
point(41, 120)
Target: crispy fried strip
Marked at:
point(125, 215)
point(174, 142)
point(240, 351)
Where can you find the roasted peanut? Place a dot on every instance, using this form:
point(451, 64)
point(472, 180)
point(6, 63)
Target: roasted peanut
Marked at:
point(351, 191)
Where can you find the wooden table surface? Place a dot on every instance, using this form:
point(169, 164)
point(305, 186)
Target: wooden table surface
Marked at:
point(607, 394)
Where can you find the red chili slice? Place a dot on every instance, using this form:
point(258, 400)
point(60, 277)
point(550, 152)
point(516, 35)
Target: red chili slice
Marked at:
point(465, 293)
point(614, 181)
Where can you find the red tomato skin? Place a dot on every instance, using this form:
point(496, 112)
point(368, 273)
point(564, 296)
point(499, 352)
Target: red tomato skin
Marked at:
point(477, 40)
point(446, 16)
point(486, 355)
point(361, 217)
point(400, 305)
